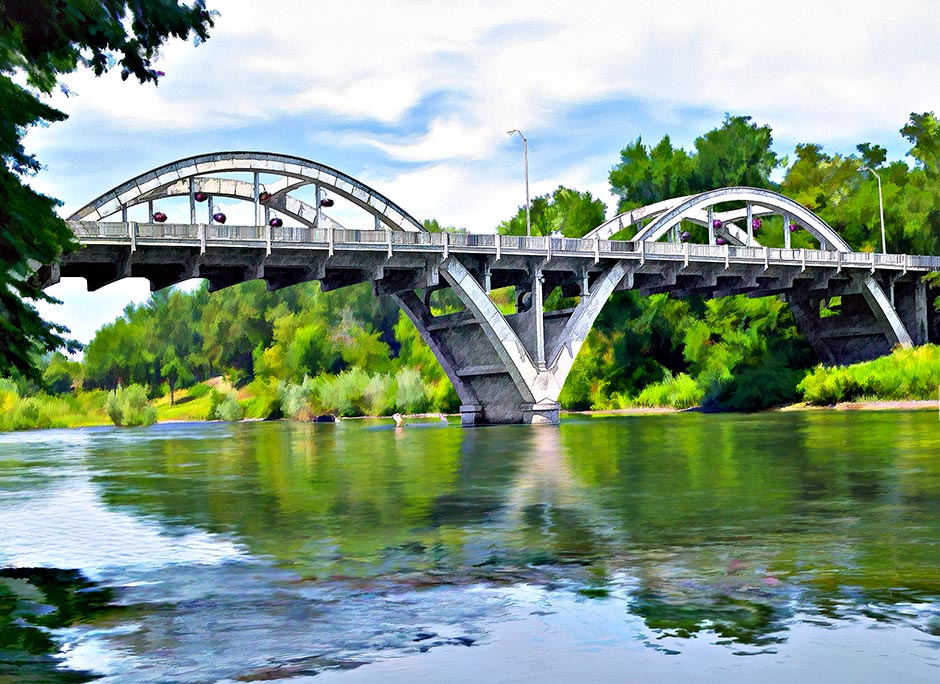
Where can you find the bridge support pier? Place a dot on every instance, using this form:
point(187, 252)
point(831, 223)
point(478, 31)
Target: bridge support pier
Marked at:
point(864, 325)
point(507, 369)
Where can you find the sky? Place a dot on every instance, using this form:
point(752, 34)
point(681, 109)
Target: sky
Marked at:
point(415, 97)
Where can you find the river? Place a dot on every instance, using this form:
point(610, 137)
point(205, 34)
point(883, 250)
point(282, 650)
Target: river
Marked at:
point(776, 547)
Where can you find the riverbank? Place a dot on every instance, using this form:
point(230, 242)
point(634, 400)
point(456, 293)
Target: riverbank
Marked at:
point(873, 405)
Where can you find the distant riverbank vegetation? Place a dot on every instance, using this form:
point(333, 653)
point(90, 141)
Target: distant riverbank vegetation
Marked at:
point(299, 352)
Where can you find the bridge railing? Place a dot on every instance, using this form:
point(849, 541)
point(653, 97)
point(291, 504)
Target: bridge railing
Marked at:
point(216, 231)
point(173, 230)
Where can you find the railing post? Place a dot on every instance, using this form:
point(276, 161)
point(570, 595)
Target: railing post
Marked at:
point(802, 259)
point(727, 256)
point(329, 237)
point(132, 234)
point(766, 256)
point(838, 261)
point(597, 248)
point(444, 242)
point(499, 243)
point(267, 239)
point(202, 238)
point(872, 262)
point(388, 236)
point(642, 252)
point(685, 249)
point(548, 248)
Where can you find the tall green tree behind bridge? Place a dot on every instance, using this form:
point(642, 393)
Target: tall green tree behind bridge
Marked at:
point(40, 41)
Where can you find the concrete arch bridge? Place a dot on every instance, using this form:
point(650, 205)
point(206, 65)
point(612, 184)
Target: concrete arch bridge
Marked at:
point(505, 368)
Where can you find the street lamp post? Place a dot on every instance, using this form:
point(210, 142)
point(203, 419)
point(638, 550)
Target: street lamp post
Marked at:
point(881, 207)
point(525, 156)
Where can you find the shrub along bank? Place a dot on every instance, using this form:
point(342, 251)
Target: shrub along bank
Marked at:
point(907, 374)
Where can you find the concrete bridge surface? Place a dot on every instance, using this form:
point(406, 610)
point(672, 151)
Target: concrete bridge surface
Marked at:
point(505, 368)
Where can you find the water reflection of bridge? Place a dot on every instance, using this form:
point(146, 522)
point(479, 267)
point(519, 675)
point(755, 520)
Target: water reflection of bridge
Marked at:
point(505, 368)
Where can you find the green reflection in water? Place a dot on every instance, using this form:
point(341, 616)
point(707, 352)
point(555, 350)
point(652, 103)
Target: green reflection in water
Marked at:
point(729, 523)
point(33, 600)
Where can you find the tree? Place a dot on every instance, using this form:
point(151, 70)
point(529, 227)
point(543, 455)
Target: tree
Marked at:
point(569, 212)
point(40, 40)
point(923, 130)
point(738, 153)
point(648, 176)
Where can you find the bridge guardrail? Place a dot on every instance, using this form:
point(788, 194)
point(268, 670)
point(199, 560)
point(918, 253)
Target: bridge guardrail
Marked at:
point(217, 231)
point(176, 230)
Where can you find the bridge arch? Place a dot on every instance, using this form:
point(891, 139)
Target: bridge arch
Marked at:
point(667, 214)
point(692, 208)
point(193, 174)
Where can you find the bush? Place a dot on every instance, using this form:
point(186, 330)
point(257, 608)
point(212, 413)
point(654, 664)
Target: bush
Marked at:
point(679, 392)
point(410, 393)
point(199, 391)
point(905, 374)
point(224, 405)
point(129, 406)
point(296, 401)
point(343, 394)
point(380, 394)
point(263, 399)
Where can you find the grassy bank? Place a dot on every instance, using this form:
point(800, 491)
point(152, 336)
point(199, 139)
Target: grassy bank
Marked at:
point(904, 375)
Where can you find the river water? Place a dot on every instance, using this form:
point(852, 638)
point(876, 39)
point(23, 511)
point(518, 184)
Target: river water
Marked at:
point(666, 548)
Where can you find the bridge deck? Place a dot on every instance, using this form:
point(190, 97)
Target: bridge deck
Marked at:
point(266, 239)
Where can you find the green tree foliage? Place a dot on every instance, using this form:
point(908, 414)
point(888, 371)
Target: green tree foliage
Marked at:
point(737, 153)
point(568, 212)
point(61, 375)
point(649, 175)
point(847, 199)
point(40, 40)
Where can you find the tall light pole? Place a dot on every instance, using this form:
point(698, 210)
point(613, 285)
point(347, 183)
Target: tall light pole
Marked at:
point(525, 156)
point(881, 207)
